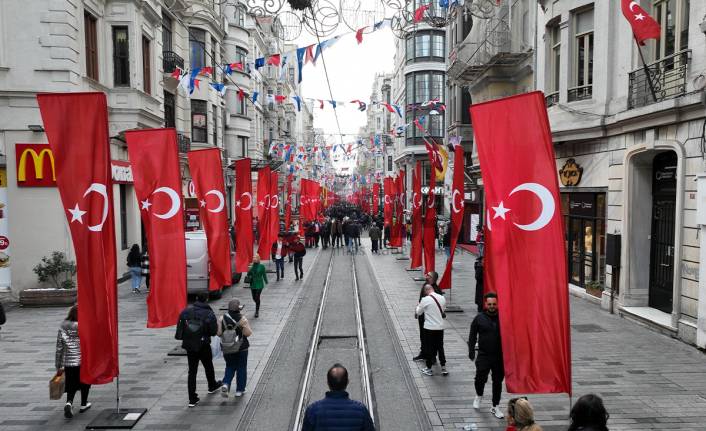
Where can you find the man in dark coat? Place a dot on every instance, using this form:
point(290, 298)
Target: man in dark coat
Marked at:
point(198, 350)
point(337, 411)
point(478, 266)
point(375, 235)
point(486, 329)
point(299, 252)
point(326, 233)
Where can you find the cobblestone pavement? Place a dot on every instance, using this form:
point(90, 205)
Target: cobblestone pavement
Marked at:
point(149, 378)
point(648, 380)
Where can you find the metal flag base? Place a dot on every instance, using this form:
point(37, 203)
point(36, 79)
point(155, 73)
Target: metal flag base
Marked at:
point(124, 419)
point(402, 258)
point(419, 279)
point(413, 269)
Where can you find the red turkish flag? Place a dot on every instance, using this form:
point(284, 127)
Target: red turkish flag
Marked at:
point(429, 239)
point(396, 240)
point(207, 174)
point(263, 213)
point(525, 252)
point(274, 60)
point(154, 159)
point(376, 198)
point(416, 251)
point(643, 25)
point(387, 207)
point(243, 216)
point(288, 205)
point(77, 129)
point(274, 208)
point(419, 12)
point(456, 214)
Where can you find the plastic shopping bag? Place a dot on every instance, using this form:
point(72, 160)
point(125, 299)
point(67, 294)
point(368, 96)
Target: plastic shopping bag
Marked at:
point(216, 351)
point(56, 387)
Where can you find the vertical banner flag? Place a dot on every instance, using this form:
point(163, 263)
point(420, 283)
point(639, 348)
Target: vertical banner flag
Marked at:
point(387, 207)
point(416, 251)
point(429, 239)
point(376, 198)
point(77, 129)
point(288, 204)
point(399, 210)
point(525, 242)
point(263, 213)
point(274, 208)
point(456, 214)
point(154, 159)
point(243, 216)
point(207, 174)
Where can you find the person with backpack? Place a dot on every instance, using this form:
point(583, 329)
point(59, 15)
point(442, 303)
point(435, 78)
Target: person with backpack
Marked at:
point(299, 252)
point(197, 324)
point(134, 259)
point(234, 330)
point(258, 280)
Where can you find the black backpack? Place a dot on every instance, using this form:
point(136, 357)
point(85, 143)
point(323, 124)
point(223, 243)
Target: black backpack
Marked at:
point(191, 331)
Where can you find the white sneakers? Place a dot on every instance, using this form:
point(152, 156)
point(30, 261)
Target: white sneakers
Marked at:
point(239, 393)
point(476, 401)
point(224, 390)
point(497, 411)
point(427, 372)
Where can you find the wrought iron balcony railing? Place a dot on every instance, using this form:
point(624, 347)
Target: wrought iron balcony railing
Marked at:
point(580, 93)
point(184, 143)
point(662, 80)
point(170, 61)
point(552, 98)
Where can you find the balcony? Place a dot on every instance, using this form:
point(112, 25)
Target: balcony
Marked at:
point(552, 98)
point(584, 92)
point(170, 61)
point(184, 143)
point(662, 80)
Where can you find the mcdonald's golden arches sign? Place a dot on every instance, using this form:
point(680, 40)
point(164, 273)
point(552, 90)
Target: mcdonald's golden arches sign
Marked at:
point(35, 165)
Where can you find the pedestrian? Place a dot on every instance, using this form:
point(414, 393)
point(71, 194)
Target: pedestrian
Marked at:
point(358, 231)
point(317, 233)
point(520, 415)
point(326, 233)
point(134, 259)
point(355, 236)
point(589, 414)
point(386, 232)
point(430, 278)
point(374, 234)
point(446, 241)
point(299, 253)
point(347, 233)
point(145, 267)
point(486, 329)
point(432, 306)
point(478, 267)
point(234, 330)
point(279, 251)
point(337, 411)
point(258, 280)
point(197, 324)
point(68, 362)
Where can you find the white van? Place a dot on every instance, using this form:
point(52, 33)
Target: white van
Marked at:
point(197, 266)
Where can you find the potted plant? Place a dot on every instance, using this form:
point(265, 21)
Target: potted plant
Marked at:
point(595, 288)
point(59, 273)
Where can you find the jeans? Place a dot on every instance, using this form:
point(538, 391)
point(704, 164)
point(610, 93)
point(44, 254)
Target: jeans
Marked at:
point(484, 366)
point(298, 271)
point(279, 266)
point(203, 356)
point(72, 376)
point(236, 365)
point(434, 344)
point(136, 276)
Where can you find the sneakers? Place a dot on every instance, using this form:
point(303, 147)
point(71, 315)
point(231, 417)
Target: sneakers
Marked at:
point(257, 314)
point(476, 401)
point(419, 357)
point(444, 372)
point(214, 389)
point(84, 407)
point(194, 403)
point(239, 393)
point(68, 411)
point(497, 411)
point(224, 391)
point(427, 372)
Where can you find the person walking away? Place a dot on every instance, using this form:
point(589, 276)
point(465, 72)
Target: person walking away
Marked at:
point(134, 259)
point(589, 414)
point(432, 306)
point(234, 330)
point(68, 362)
point(347, 234)
point(486, 329)
point(358, 232)
point(339, 232)
point(145, 267)
point(447, 241)
point(355, 236)
point(374, 237)
point(430, 278)
point(317, 233)
point(299, 253)
point(478, 267)
point(197, 324)
point(279, 251)
point(326, 233)
point(258, 277)
point(337, 411)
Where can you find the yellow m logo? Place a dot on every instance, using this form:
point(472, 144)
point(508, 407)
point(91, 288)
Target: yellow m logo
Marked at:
point(38, 160)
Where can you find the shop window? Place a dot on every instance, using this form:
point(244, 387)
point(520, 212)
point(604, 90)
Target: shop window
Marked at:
point(584, 218)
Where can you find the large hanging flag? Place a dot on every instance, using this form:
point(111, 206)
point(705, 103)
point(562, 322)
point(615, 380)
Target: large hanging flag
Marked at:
point(376, 198)
point(207, 175)
point(387, 202)
point(288, 204)
point(243, 216)
point(456, 214)
point(429, 240)
point(416, 251)
point(396, 237)
point(154, 160)
point(525, 249)
point(444, 155)
point(643, 25)
point(263, 213)
point(274, 208)
point(77, 129)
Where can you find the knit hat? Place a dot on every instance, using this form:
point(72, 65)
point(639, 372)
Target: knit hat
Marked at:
point(234, 305)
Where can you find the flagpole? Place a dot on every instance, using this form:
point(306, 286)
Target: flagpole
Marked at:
point(646, 69)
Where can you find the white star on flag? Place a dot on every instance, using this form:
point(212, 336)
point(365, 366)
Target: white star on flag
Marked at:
point(77, 214)
point(203, 203)
point(639, 17)
point(500, 211)
point(146, 205)
point(237, 203)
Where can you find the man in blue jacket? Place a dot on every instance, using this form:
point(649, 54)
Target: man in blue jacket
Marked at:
point(337, 411)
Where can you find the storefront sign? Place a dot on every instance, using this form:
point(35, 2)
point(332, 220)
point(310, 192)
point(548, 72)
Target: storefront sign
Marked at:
point(582, 204)
point(35, 165)
point(438, 190)
point(4, 232)
point(570, 173)
point(121, 172)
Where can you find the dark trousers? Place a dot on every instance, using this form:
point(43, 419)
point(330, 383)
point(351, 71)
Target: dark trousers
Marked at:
point(485, 366)
point(73, 384)
point(203, 356)
point(256, 297)
point(147, 280)
point(374, 245)
point(279, 266)
point(420, 320)
point(298, 271)
point(325, 240)
point(434, 345)
point(316, 239)
point(337, 240)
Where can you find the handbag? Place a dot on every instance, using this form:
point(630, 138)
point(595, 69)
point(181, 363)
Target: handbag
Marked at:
point(248, 279)
point(56, 386)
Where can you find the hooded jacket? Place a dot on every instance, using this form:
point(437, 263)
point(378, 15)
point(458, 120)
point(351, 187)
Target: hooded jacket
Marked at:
point(68, 347)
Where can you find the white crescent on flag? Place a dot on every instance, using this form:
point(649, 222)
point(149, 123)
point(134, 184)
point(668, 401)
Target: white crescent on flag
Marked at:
point(175, 199)
point(221, 200)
